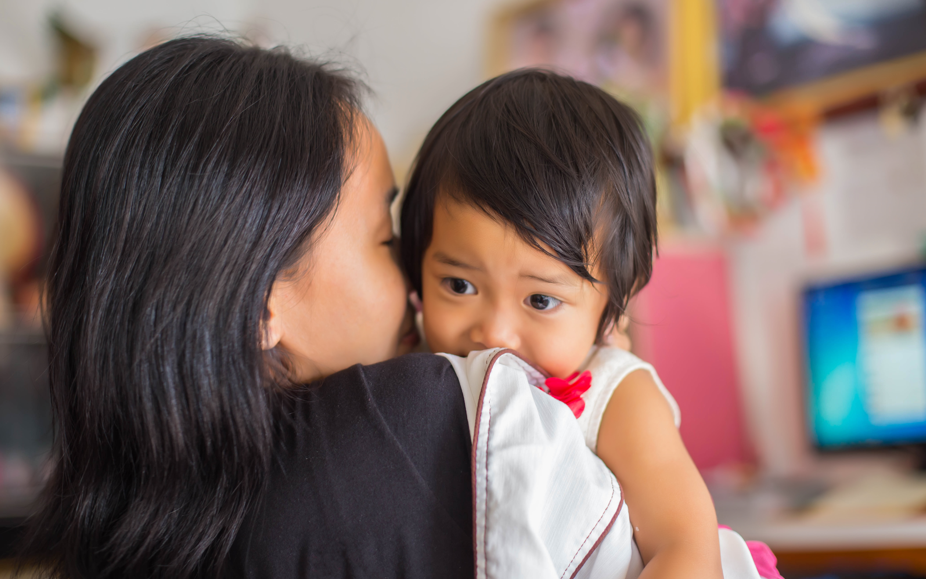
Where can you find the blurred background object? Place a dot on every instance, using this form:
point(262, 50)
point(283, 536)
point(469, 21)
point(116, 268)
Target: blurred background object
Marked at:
point(620, 44)
point(771, 45)
point(20, 242)
point(791, 162)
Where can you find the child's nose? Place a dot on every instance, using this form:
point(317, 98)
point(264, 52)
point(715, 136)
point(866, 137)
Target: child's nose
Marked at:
point(496, 330)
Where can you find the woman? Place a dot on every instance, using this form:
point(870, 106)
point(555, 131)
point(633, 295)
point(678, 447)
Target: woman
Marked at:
point(224, 235)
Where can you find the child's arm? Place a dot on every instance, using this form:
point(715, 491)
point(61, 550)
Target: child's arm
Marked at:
point(675, 525)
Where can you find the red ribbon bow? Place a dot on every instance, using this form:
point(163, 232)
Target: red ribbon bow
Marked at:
point(570, 390)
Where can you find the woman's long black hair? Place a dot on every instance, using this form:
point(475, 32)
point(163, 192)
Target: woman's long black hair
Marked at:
point(195, 174)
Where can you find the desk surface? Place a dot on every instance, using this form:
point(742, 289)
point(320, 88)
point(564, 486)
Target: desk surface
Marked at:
point(798, 535)
point(879, 511)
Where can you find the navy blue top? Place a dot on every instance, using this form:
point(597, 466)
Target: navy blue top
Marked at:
point(372, 480)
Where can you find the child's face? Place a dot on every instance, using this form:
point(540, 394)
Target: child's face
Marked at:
point(484, 287)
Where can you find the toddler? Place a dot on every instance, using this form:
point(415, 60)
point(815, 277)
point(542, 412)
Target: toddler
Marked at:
point(529, 222)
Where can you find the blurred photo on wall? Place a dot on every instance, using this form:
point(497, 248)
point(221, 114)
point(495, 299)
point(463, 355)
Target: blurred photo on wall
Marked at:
point(770, 45)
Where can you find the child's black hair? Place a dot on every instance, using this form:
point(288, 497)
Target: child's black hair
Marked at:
point(565, 164)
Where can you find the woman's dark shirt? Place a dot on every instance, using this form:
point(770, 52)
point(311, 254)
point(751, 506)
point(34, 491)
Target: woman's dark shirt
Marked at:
point(372, 480)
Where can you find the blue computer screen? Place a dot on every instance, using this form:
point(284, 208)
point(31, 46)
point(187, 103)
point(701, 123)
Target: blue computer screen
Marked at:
point(866, 360)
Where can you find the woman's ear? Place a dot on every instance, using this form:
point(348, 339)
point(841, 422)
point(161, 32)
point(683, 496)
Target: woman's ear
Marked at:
point(272, 327)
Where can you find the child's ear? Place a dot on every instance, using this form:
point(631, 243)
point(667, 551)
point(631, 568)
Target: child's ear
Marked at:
point(271, 328)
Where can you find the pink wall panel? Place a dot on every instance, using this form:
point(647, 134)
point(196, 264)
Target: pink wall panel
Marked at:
point(681, 324)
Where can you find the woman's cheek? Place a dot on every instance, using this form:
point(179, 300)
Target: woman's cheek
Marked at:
point(393, 297)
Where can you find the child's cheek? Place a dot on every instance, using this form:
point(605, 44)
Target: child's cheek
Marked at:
point(560, 364)
point(562, 353)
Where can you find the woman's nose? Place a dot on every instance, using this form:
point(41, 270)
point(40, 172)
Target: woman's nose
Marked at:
point(496, 330)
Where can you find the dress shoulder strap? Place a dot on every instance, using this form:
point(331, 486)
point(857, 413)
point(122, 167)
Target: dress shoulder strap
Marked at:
point(609, 366)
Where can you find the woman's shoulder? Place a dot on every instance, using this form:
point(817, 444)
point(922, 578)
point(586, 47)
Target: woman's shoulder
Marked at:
point(419, 388)
point(372, 472)
point(409, 394)
point(412, 370)
point(404, 378)
point(413, 382)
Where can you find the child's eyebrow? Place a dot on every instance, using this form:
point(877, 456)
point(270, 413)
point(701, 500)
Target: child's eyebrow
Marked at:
point(391, 195)
point(555, 280)
point(447, 260)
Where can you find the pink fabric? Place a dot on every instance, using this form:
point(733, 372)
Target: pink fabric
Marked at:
point(765, 560)
point(762, 556)
point(570, 390)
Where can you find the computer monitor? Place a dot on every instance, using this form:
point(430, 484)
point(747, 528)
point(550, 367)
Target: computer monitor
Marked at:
point(865, 353)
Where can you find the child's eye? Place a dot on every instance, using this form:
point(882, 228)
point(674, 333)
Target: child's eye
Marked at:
point(542, 302)
point(459, 286)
